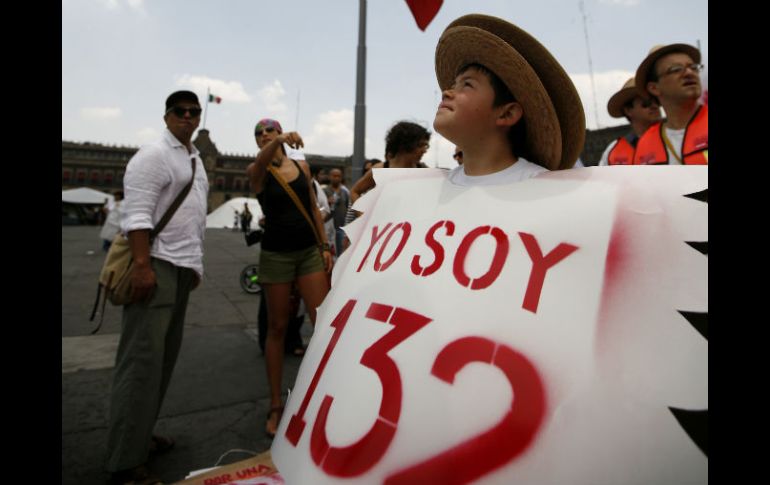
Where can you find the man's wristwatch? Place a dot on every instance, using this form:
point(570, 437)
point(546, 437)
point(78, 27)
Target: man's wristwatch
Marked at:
point(325, 247)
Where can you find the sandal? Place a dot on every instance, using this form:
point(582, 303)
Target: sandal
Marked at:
point(160, 444)
point(134, 476)
point(278, 411)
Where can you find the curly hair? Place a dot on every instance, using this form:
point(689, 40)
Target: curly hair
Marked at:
point(405, 136)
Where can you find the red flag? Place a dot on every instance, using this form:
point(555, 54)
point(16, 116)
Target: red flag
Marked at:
point(424, 11)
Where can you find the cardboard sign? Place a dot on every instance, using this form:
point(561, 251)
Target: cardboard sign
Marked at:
point(257, 470)
point(538, 332)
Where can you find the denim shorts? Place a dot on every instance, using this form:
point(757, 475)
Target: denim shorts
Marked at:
point(284, 267)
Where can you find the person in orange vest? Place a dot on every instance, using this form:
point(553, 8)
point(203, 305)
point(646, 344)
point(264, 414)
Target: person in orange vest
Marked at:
point(641, 113)
point(671, 74)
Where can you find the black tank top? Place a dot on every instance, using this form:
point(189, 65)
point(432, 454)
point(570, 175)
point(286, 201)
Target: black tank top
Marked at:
point(286, 229)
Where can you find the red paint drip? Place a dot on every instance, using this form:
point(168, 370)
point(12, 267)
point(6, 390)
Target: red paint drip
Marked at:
point(614, 268)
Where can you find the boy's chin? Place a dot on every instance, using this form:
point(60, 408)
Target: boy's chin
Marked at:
point(441, 128)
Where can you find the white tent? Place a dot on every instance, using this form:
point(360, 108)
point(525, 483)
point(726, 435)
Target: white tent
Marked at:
point(224, 215)
point(84, 195)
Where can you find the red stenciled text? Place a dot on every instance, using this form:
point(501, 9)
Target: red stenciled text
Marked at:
point(483, 452)
point(393, 238)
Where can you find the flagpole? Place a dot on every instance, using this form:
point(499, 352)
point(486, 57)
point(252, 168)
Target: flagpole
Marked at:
point(360, 113)
point(206, 108)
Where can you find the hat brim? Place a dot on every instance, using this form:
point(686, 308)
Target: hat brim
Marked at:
point(643, 72)
point(561, 91)
point(460, 46)
point(619, 99)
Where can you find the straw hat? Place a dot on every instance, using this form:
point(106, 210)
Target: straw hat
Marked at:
point(552, 107)
point(643, 72)
point(627, 93)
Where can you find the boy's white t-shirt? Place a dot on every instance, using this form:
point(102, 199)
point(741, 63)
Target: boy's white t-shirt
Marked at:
point(521, 170)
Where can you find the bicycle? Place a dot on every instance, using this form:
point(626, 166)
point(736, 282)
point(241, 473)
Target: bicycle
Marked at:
point(249, 279)
point(250, 274)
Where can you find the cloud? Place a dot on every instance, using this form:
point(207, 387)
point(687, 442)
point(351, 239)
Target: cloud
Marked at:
point(100, 113)
point(332, 133)
point(229, 91)
point(622, 3)
point(607, 84)
point(137, 5)
point(272, 97)
point(146, 135)
point(111, 4)
point(440, 152)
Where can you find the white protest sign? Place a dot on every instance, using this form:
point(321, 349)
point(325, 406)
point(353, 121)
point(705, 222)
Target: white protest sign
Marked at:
point(531, 333)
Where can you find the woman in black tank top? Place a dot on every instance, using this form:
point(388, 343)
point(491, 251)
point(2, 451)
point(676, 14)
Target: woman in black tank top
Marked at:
point(290, 249)
point(286, 229)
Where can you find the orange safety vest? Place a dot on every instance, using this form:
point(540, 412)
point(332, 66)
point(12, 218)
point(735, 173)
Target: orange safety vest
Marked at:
point(651, 149)
point(622, 153)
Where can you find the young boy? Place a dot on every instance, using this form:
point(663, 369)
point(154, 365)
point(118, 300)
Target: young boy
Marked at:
point(506, 101)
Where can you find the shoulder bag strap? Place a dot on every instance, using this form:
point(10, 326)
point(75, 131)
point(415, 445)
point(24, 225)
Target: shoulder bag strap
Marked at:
point(669, 144)
point(175, 205)
point(159, 227)
point(294, 198)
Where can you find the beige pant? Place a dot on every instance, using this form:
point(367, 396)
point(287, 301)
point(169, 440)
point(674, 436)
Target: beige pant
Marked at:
point(150, 339)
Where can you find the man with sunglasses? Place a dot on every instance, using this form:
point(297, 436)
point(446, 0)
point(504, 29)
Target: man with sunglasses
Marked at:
point(671, 74)
point(641, 113)
point(163, 274)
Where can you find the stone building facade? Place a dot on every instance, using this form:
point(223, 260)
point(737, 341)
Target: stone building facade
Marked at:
point(102, 167)
point(597, 141)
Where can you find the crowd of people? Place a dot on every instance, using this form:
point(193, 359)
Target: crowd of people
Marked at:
point(510, 109)
point(668, 78)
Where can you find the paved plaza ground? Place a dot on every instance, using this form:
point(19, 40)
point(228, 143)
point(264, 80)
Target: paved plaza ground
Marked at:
point(218, 398)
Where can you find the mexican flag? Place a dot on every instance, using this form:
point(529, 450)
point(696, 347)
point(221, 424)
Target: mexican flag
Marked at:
point(214, 99)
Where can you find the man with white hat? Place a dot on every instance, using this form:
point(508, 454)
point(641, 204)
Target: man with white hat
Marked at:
point(671, 74)
point(641, 113)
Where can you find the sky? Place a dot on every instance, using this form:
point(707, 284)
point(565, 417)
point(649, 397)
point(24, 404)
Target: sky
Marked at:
point(295, 61)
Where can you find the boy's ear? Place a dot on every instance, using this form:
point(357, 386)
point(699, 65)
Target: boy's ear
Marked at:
point(509, 114)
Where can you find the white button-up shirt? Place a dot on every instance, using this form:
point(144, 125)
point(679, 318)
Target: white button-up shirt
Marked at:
point(154, 177)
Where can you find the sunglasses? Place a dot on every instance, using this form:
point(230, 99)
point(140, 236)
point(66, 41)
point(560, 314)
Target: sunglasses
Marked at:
point(180, 111)
point(269, 129)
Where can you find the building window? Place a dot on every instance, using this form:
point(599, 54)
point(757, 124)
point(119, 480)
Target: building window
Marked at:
point(237, 184)
point(81, 176)
point(96, 177)
point(108, 178)
point(220, 183)
point(66, 176)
